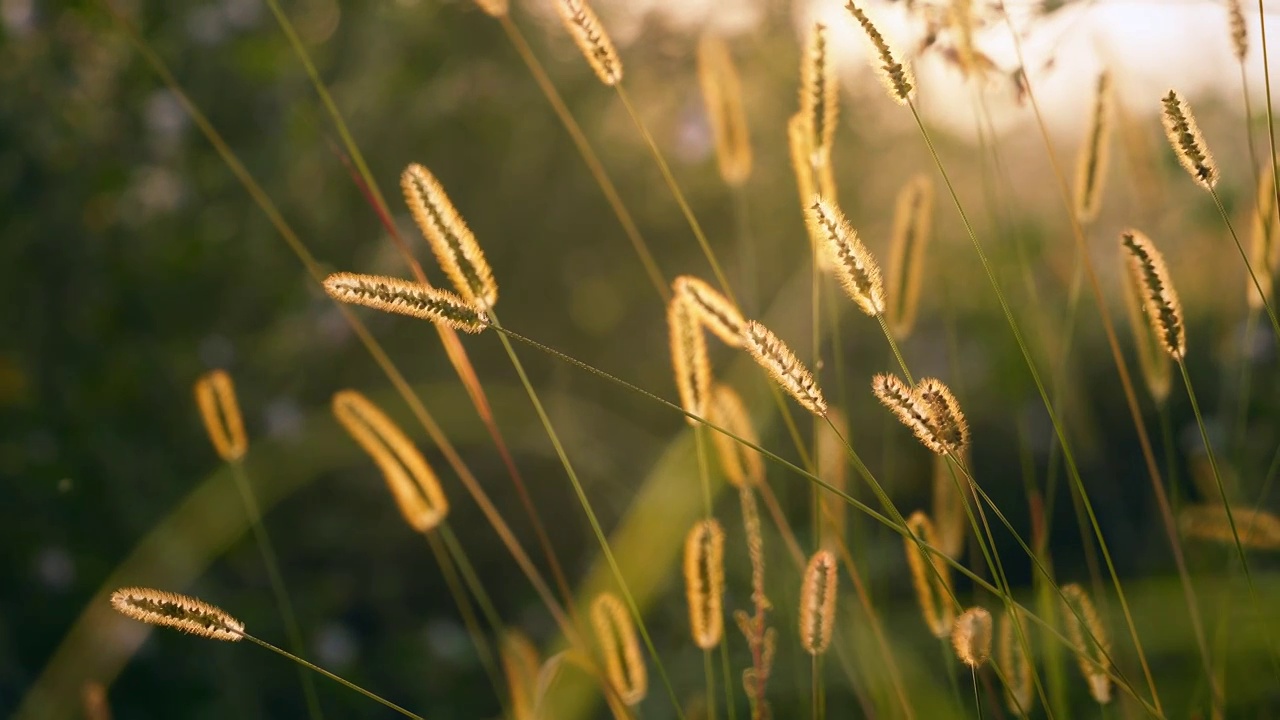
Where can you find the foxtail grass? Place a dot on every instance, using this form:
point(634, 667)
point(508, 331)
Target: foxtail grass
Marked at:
point(722, 96)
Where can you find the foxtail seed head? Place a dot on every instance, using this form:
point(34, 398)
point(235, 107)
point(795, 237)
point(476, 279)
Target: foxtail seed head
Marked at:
point(1092, 162)
point(623, 663)
point(1255, 529)
point(895, 76)
point(819, 94)
point(950, 430)
point(1264, 246)
point(1086, 632)
point(688, 357)
point(452, 242)
point(858, 271)
point(521, 665)
point(912, 229)
point(1187, 141)
point(704, 582)
point(216, 397)
point(722, 94)
point(581, 22)
point(742, 466)
point(1019, 688)
point(711, 309)
point(773, 355)
point(1159, 299)
point(181, 612)
point(971, 636)
point(818, 603)
point(406, 297)
point(1239, 32)
point(412, 482)
point(933, 587)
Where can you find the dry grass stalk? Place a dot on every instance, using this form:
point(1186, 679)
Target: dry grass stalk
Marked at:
point(895, 76)
point(493, 8)
point(1264, 249)
point(689, 358)
point(93, 697)
point(722, 94)
point(912, 230)
point(773, 355)
point(1153, 362)
point(833, 463)
point(451, 241)
point(930, 410)
point(951, 523)
point(1094, 648)
point(711, 309)
point(1094, 158)
point(1015, 664)
point(854, 265)
point(406, 297)
point(742, 466)
point(181, 612)
point(933, 587)
point(623, 663)
point(412, 482)
point(1159, 299)
point(581, 22)
point(818, 603)
point(521, 664)
point(971, 636)
point(819, 95)
point(1239, 32)
point(1187, 141)
point(704, 582)
point(1256, 529)
point(216, 397)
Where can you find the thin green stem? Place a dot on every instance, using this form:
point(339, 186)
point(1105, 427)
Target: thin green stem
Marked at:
point(727, 673)
point(893, 345)
point(341, 681)
point(1266, 303)
point(278, 589)
point(977, 699)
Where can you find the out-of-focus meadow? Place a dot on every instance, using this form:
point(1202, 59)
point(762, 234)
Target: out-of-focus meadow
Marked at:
point(132, 261)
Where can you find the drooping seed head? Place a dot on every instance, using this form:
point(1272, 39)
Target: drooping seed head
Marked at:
point(1187, 141)
point(1255, 529)
point(623, 663)
point(581, 22)
point(722, 95)
point(451, 241)
point(857, 270)
point(819, 93)
point(774, 356)
point(710, 308)
point(1159, 299)
point(1153, 360)
point(216, 398)
point(1094, 157)
point(818, 603)
point(895, 76)
point(413, 484)
point(1093, 648)
point(912, 230)
point(971, 636)
point(688, 357)
point(932, 585)
point(181, 612)
point(704, 582)
point(405, 297)
point(742, 466)
point(1017, 667)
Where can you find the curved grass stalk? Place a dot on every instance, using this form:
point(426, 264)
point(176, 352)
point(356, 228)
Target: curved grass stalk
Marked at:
point(453, 347)
point(1248, 266)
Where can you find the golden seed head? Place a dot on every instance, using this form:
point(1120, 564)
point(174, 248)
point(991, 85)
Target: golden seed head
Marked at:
point(773, 355)
point(1017, 667)
point(895, 76)
point(1094, 157)
point(932, 585)
point(858, 271)
point(1188, 144)
point(971, 636)
point(181, 612)
point(1093, 649)
point(623, 663)
point(1256, 529)
point(1239, 32)
point(1159, 299)
point(711, 309)
point(521, 664)
point(406, 297)
point(451, 241)
point(819, 94)
point(755, 545)
point(912, 229)
point(216, 398)
point(1264, 246)
point(412, 482)
point(742, 466)
point(704, 582)
point(722, 94)
point(930, 410)
point(581, 22)
point(688, 357)
point(818, 603)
